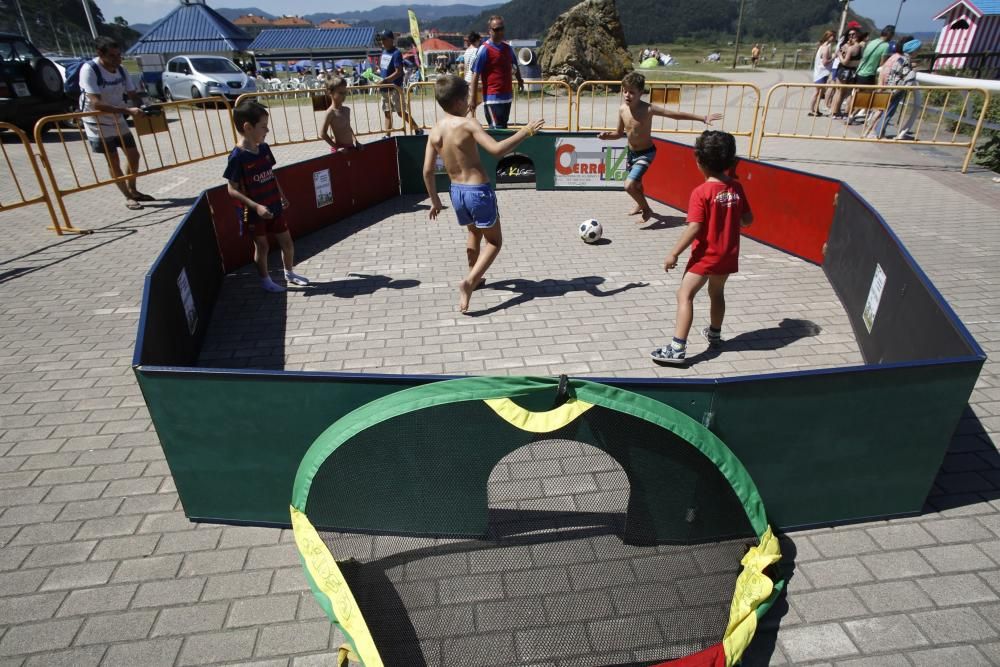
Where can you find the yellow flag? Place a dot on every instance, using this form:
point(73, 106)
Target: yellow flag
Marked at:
point(415, 33)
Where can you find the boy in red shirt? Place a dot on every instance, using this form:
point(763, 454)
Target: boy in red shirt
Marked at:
point(717, 210)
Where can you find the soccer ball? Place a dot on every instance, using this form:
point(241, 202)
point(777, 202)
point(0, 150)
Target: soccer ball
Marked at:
point(591, 231)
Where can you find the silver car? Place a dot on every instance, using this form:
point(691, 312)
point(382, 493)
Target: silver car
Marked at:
point(191, 77)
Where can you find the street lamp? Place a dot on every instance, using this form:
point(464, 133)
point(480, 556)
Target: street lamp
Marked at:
point(739, 27)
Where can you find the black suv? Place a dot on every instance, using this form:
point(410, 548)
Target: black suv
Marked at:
point(30, 84)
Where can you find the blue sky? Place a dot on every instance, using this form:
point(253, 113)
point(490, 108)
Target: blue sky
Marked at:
point(916, 15)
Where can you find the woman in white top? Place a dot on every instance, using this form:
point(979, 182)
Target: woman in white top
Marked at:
point(821, 68)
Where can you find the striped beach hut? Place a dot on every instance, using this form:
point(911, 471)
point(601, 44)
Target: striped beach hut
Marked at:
point(969, 27)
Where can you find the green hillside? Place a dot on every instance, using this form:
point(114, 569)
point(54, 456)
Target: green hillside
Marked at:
point(658, 21)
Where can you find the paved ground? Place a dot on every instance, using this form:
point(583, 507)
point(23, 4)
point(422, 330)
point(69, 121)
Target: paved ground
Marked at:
point(99, 566)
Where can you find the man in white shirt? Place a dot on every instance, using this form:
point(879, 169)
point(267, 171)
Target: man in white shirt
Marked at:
point(472, 42)
point(104, 83)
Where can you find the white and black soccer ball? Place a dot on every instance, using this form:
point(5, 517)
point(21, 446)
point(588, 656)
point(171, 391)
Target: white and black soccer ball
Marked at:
point(591, 231)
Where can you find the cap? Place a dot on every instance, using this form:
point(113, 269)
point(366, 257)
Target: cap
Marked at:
point(912, 46)
point(853, 25)
point(387, 34)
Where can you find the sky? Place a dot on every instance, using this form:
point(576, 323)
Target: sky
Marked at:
point(916, 15)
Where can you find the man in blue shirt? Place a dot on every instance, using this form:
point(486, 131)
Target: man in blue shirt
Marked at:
point(391, 69)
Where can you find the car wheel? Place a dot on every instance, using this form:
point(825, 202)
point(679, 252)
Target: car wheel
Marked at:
point(167, 95)
point(45, 79)
point(195, 93)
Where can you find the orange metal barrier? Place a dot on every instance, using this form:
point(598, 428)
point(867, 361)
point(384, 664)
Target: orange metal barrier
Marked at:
point(14, 193)
point(296, 116)
point(549, 100)
point(597, 104)
point(182, 133)
point(932, 115)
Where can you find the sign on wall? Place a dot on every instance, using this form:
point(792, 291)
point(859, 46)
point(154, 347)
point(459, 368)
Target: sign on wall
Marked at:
point(583, 162)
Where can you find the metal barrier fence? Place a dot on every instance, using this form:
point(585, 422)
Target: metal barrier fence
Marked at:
point(926, 114)
point(738, 102)
point(296, 116)
point(549, 100)
point(14, 193)
point(181, 133)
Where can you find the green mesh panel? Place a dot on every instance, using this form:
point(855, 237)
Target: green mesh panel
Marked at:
point(615, 540)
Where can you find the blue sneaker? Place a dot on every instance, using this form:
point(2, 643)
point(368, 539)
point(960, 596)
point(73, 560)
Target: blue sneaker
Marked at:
point(668, 355)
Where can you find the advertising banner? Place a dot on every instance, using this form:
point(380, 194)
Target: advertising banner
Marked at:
point(584, 162)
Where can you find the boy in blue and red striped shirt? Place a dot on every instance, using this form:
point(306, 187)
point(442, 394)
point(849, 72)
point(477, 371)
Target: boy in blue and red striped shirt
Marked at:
point(252, 183)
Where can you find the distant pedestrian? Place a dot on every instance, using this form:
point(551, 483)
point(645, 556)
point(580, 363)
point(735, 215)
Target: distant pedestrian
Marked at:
point(495, 63)
point(391, 66)
point(472, 43)
point(821, 67)
point(754, 56)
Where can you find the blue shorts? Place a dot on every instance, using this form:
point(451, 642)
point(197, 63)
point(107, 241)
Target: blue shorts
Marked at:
point(637, 162)
point(475, 204)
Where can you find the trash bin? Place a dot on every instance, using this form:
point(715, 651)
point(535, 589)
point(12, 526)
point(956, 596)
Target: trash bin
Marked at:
point(527, 64)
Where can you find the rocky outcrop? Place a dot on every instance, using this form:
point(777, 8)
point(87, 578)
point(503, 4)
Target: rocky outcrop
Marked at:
point(586, 43)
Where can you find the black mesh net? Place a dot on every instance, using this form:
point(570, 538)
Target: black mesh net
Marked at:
point(608, 542)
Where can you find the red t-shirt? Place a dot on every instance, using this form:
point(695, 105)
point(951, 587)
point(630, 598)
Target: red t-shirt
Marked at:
point(719, 207)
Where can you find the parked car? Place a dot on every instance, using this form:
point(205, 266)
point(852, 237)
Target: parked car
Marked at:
point(30, 84)
point(191, 77)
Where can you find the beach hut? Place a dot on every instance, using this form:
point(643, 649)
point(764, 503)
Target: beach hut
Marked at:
point(969, 27)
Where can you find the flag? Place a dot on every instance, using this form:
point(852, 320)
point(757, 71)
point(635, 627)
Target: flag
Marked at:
point(415, 33)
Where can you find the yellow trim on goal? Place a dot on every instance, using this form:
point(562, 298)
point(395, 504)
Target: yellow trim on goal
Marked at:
point(752, 588)
point(538, 422)
point(329, 580)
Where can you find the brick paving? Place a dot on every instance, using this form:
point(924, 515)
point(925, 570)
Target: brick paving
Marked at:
point(98, 565)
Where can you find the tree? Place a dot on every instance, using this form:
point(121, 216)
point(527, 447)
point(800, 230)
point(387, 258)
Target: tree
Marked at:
point(120, 21)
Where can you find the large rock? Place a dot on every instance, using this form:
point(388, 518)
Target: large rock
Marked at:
point(586, 43)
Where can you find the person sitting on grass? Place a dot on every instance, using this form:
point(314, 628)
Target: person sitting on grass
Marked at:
point(337, 130)
point(717, 210)
point(456, 138)
point(252, 183)
point(635, 121)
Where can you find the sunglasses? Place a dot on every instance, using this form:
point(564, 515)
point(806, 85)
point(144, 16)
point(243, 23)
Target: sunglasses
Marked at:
point(498, 28)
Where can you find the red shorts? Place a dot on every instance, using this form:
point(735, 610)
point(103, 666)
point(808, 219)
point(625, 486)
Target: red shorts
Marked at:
point(262, 227)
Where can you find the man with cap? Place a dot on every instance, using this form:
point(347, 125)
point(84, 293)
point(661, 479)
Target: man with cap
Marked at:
point(391, 70)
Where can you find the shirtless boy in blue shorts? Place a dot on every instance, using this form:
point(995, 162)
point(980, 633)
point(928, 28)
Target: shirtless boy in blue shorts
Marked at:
point(635, 121)
point(456, 138)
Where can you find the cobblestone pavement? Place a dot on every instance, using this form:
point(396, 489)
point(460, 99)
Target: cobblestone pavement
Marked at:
point(98, 564)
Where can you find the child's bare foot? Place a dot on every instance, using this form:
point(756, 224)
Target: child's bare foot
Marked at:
point(635, 211)
point(646, 215)
point(464, 295)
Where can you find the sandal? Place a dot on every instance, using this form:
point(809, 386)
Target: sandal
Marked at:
point(133, 205)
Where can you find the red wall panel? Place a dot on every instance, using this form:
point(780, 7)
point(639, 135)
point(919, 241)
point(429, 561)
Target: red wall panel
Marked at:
point(359, 179)
point(792, 210)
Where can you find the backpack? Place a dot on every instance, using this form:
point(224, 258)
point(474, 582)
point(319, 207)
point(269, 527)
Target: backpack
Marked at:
point(73, 71)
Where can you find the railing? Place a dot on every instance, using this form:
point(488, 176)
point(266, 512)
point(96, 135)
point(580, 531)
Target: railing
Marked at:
point(978, 65)
point(738, 102)
point(181, 133)
point(13, 192)
point(927, 113)
point(549, 100)
point(296, 116)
